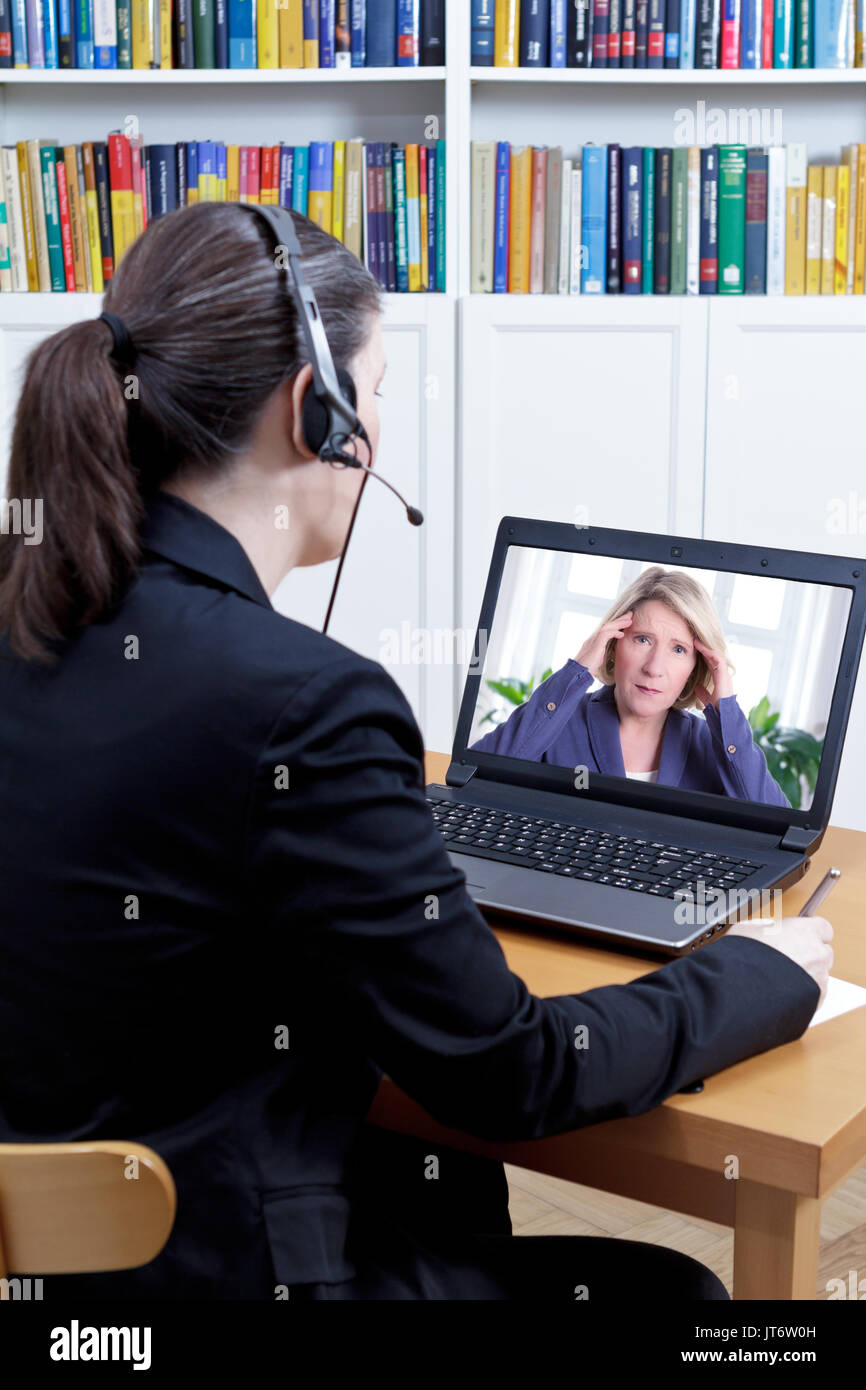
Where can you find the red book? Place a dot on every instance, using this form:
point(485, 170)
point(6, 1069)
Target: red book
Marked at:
point(767, 34)
point(65, 225)
point(139, 177)
point(267, 162)
point(275, 174)
point(731, 12)
point(254, 175)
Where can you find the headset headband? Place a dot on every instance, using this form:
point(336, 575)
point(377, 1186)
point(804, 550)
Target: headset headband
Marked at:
point(342, 417)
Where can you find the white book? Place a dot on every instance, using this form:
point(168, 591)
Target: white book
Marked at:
point(576, 229)
point(565, 226)
point(776, 209)
point(693, 221)
point(483, 210)
point(14, 217)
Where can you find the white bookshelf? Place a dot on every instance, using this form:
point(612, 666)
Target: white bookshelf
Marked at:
point(501, 403)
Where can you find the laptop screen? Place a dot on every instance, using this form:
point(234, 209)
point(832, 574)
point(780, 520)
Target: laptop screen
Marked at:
point(708, 680)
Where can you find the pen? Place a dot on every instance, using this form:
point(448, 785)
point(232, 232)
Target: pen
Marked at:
point(820, 893)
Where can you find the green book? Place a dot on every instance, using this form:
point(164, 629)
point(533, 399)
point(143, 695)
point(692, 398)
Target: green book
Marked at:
point(204, 34)
point(648, 219)
point(803, 34)
point(679, 216)
point(732, 219)
point(48, 159)
point(124, 33)
point(440, 215)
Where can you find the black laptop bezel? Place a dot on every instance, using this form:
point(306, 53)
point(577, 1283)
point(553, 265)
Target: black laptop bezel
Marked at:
point(845, 572)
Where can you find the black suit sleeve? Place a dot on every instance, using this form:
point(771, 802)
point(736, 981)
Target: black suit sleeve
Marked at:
point(357, 892)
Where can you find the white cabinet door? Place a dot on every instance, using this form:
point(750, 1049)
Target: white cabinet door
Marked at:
point(581, 410)
point(396, 596)
point(786, 450)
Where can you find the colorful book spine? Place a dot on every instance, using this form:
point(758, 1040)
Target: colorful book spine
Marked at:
point(756, 223)
point(632, 231)
point(679, 218)
point(648, 221)
point(408, 33)
point(594, 219)
point(814, 226)
point(709, 237)
point(401, 227)
point(501, 224)
point(321, 184)
point(795, 218)
point(520, 218)
point(662, 247)
point(732, 218)
point(413, 217)
point(783, 34)
point(731, 20)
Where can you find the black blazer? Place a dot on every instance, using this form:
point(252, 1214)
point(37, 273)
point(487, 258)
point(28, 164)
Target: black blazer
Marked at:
point(213, 839)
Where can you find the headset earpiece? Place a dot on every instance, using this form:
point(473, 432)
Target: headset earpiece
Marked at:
point(315, 423)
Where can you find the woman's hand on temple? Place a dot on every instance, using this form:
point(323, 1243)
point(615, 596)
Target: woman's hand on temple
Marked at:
point(591, 653)
point(722, 683)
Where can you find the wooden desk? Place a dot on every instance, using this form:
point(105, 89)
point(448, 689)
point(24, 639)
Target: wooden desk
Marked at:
point(795, 1118)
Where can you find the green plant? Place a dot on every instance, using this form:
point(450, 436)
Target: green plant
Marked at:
point(791, 754)
point(514, 691)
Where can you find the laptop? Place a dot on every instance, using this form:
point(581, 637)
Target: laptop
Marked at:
point(602, 796)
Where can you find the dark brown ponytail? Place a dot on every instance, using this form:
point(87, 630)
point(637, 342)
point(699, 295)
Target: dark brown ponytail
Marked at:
point(215, 333)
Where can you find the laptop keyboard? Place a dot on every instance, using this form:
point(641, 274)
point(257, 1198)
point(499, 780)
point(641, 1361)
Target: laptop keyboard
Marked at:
point(582, 852)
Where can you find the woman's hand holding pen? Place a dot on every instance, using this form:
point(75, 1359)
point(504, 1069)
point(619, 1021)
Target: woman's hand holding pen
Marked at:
point(591, 653)
point(722, 683)
point(805, 940)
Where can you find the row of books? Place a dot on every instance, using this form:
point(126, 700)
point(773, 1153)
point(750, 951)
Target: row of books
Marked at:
point(69, 212)
point(221, 33)
point(668, 33)
point(714, 219)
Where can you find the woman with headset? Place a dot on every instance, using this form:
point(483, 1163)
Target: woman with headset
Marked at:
point(216, 853)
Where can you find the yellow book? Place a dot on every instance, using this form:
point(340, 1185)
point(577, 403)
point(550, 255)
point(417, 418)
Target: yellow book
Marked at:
point(828, 231)
point(233, 173)
point(291, 16)
point(840, 282)
point(27, 218)
point(137, 201)
point(142, 33)
point(520, 219)
point(860, 222)
point(320, 200)
point(268, 34)
point(311, 52)
point(354, 202)
point(91, 206)
point(814, 226)
point(506, 34)
point(849, 157)
point(165, 33)
point(413, 217)
point(795, 219)
point(425, 250)
point(339, 204)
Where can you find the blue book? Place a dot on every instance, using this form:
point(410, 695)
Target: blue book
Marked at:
point(83, 33)
point(299, 183)
point(327, 21)
point(593, 274)
point(390, 248)
point(310, 24)
point(503, 200)
point(381, 34)
point(287, 162)
point(320, 174)
point(162, 179)
point(408, 33)
point(632, 225)
point(558, 9)
point(206, 159)
point(688, 21)
point(221, 34)
point(49, 40)
point(648, 221)
point(534, 34)
point(242, 34)
point(191, 166)
point(19, 33)
point(830, 19)
point(221, 163)
point(783, 34)
point(441, 270)
point(756, 222)
point(751, 33)
point(483, 19)
point(673, 20)
point(709, 239)
point(358, 32)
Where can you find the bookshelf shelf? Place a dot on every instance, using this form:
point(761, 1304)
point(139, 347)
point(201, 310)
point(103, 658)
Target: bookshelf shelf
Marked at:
point(181, 77)
point(669, 77)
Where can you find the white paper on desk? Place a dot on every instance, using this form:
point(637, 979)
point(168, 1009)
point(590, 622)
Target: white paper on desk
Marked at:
point(840, 997)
